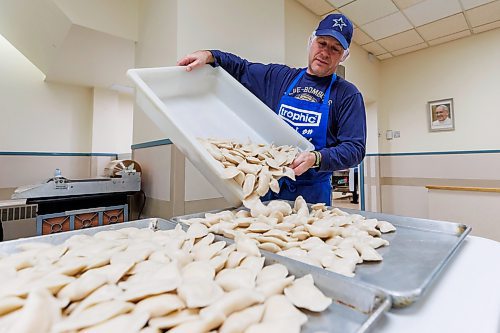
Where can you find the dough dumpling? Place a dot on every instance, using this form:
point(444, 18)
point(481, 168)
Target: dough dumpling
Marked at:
point(304, 294)
point(160, 305)
point(239, 321)
point(105, 293)
point(82, 287)
point(197, 230)
point(175, 318)
point(231, 302)
point(272, 272)
point(10, 303)
point(236, 278)
point(199, 292)
point(279, 307)
point(94, 315)
point(126, 323)
point(274, 287)
point(39, 313)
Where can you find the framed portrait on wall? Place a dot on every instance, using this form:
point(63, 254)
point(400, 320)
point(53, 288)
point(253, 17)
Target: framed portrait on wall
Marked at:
point(441, 115)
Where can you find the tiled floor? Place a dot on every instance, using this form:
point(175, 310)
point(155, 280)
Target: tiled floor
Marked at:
point(343, 201)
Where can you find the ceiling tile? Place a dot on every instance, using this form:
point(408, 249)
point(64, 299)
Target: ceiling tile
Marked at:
point(410, 49)
point(402, 4)
point(387, 26)
point(402, 40)
point(484, 14)
point(360, 37)
point(468, 4)
point(364, 11)
point(431, 10)
point(339, 3)
point(318, 7)
point(451, 37)
point(374, 48)
point(486, 27)
point(444, 27)
point(332, 12)
point(384, 56)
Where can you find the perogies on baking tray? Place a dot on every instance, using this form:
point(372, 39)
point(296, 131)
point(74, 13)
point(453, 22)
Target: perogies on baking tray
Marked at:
point(209, 103)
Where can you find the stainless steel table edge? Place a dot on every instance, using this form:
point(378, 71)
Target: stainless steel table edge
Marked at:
point(381, 302)
point(399, 299)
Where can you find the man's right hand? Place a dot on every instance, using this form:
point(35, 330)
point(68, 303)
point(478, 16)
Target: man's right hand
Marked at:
point(196, 59)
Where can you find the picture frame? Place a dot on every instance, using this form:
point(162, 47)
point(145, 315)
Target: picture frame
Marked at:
point(441, 115)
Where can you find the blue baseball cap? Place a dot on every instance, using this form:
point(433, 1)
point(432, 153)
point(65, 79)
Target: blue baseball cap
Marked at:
point(337, 26)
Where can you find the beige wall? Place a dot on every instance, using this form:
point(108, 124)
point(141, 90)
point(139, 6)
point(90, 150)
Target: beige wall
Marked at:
point(466, 70)
point(403, 179)
point(39, 116)
point(364, 72)
point(372, 127)
point(103, 15)
point(471, 208)
point(112, 121)
point(42, 116)
point(299, 24)
point(253, 30)
point(156, 47)
point(46, 117)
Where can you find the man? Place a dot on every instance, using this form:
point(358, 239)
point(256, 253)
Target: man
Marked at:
point(442, 117)
point(324, 108)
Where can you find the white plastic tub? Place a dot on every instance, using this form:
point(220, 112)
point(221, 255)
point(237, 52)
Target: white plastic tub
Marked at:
point(209, 103)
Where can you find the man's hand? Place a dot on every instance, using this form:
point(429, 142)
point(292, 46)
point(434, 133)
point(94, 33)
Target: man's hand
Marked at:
point(303, 162)
point(196, 59)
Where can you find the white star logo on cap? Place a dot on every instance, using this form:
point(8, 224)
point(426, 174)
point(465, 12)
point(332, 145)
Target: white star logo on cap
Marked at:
point(339, 23)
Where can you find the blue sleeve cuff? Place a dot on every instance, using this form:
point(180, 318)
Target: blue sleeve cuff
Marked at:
point(216, 55)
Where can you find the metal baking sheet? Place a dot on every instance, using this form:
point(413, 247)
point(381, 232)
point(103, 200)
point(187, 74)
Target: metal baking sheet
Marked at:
point(418, 252)
point(356, 307)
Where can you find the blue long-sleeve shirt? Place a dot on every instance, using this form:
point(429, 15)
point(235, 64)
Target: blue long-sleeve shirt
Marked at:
point(346, 136)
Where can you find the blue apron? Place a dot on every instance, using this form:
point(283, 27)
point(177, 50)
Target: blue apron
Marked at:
point(310, 119)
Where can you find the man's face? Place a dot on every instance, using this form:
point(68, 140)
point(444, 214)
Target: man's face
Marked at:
point(441, 113)
point(324, 56)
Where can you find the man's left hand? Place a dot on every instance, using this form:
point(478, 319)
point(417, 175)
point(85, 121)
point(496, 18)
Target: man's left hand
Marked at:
point(303, 162)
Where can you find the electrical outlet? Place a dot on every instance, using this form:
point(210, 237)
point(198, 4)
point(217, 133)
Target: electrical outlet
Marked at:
point(397, 134)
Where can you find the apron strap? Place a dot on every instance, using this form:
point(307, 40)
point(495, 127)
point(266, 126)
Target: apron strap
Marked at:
point(294, 83)
point(327, 94)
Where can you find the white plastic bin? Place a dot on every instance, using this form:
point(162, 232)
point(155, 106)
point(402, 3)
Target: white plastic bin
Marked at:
point(209, 103)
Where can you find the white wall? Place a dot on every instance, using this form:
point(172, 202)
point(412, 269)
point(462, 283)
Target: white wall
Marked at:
point(364, 72)
point(156, 47)
point(157, 31)
point(116, 17)
point(371, 128)
point(299, 24)
point(466, 70)
point(112, 121)
point(250, 29)
point(40, 116)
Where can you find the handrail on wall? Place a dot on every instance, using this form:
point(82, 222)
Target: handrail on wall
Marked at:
point(461, 188)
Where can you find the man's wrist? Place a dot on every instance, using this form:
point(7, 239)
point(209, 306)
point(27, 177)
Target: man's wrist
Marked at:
point(210, 57)
point(317, 159)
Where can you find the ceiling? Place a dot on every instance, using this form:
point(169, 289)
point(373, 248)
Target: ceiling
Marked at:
point(388, 28)
point(88, 43)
